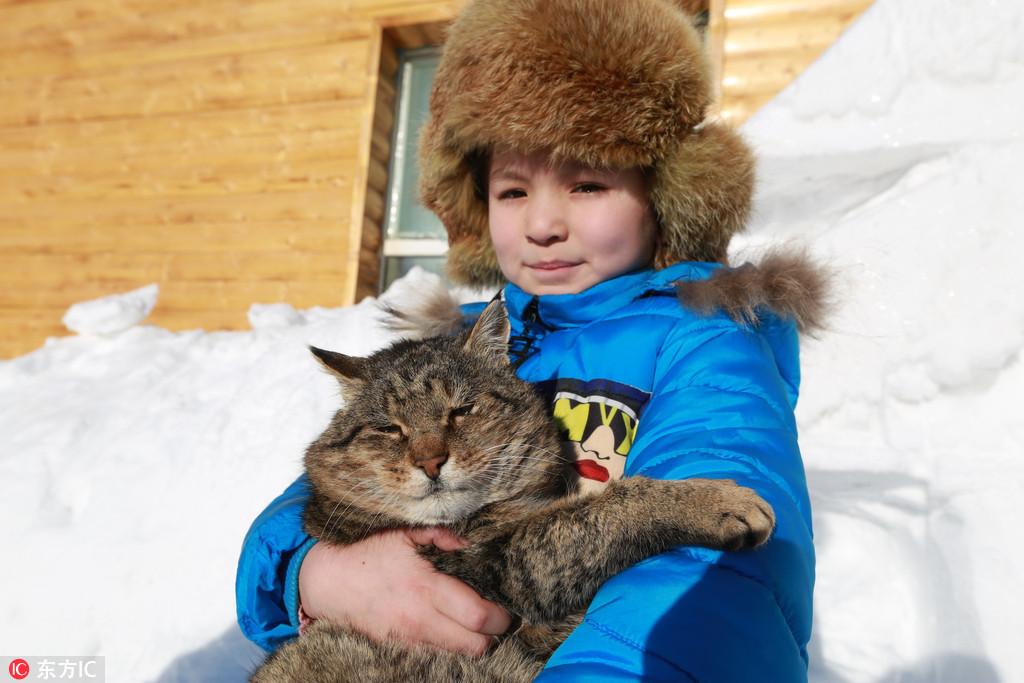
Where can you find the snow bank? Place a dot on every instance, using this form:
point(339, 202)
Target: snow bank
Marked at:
point(908, 72)
point(136, 458)
point(898, 156)
point(140, 459)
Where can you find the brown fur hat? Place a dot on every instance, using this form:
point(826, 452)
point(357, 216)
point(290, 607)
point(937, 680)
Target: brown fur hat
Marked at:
point(609, 83)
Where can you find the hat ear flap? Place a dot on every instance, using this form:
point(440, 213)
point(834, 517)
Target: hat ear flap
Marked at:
point(446, 183)
point(702, 192)
point(472, 262)
point(448, 187)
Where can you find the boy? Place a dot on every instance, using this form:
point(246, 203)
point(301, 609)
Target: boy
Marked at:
point(567, 153)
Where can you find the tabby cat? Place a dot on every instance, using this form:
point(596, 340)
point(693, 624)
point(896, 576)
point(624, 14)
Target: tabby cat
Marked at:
point(441, 431)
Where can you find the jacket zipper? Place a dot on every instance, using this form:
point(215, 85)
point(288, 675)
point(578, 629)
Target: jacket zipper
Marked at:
point(521, 345)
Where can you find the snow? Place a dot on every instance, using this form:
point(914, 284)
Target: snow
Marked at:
point(897, 156)
point(136, 458)
point(111, 314)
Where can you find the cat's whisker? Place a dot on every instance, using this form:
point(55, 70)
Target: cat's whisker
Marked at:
point(368, 485)
point(512, 471)
point(323, 532)
point(371, 490)
point(371, 526)
point(518, 444)
point(519, 450)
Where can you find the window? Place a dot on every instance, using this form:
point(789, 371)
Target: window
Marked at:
point(413, 236)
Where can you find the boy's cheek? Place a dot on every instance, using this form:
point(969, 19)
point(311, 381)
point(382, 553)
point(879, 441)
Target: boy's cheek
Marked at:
point(503, 237)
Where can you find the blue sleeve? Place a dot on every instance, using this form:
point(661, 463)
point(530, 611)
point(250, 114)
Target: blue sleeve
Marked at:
point(720, 408)
point(267, 582)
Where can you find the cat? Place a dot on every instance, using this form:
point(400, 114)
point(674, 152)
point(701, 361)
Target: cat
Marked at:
point(441, 432)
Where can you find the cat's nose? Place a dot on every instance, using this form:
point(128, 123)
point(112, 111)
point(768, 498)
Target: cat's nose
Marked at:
point(432, 466)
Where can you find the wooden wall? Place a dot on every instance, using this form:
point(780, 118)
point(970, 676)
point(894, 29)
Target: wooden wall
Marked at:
point(217, 148)
point(232, 151)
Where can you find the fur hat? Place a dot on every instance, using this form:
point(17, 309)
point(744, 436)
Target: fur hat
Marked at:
point(608, 83)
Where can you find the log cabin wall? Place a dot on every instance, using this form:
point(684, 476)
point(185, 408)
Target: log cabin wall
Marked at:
point(220, 149)
point(236, 152)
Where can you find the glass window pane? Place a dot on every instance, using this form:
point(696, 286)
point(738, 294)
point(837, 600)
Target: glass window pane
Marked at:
point(406, 216)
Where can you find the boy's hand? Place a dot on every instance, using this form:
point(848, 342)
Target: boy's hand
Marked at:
point(382, 588)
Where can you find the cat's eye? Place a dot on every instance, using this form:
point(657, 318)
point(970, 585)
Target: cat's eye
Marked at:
point(344, 441)
point(456, 414)
point(389, 429)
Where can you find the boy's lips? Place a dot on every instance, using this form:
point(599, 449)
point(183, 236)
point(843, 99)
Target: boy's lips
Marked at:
point(553, 265)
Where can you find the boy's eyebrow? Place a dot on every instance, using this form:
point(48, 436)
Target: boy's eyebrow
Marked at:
point(505, 173)
point(568, 171)
point(573, 168)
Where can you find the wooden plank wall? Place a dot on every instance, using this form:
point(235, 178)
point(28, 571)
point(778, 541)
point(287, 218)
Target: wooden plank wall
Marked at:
point(217, 148)
point(232, 151)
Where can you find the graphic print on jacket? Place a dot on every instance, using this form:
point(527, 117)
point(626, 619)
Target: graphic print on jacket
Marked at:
point(598, 419)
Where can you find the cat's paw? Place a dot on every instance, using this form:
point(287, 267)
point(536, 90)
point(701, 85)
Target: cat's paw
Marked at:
point(736, 517)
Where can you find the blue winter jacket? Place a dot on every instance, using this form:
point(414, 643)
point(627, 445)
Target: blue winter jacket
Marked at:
point(699, 396)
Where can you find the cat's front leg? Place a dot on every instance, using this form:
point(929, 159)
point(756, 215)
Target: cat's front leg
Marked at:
point(550, 564)
point(715, 513)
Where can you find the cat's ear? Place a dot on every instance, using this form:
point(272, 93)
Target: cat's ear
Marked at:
point(489, 337)
point(348, 369)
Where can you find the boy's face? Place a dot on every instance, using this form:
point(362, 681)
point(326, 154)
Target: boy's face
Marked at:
point(561, 228)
